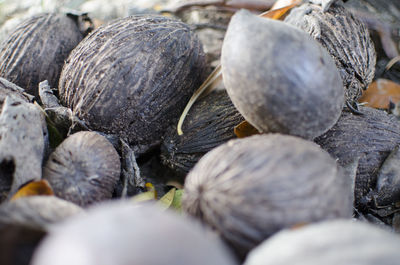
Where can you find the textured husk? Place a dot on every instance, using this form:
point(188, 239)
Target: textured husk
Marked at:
point(122, 233)
point(369, 138)
point(329, 243)
point(133, 77)
point(274, 73)
point(210, 123)
point(250, 188)
point(83, 169)
point(37, 49)
point(345, 38)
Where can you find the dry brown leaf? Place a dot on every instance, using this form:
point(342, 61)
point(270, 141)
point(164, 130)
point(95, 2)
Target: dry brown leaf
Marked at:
point(245, 129)
point(40, 187)
point(380, 93)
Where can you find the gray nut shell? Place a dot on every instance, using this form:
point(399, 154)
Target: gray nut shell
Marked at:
point(83, 169)
point(279, 78)
point(123, 233)
point(250, 188)
point(346, 39)
point(329, 243)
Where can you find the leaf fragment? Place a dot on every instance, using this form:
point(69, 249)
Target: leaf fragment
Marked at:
point(245, 129)
point(166, 200)
point(40, 187)
point(380, 93)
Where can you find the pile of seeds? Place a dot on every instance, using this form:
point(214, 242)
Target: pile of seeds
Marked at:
point(88, 118)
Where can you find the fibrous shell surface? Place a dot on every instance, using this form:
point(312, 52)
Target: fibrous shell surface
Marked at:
point(37, 49)
point(279, 78)
point(248, 189)
point(210, 123)
point(369, 138)
point(133, 77)
point(346, 39)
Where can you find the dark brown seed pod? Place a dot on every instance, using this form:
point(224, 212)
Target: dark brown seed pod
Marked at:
point(133, 77)
point(123, 233)
point(329, 243)
point(37, 49)
point(210, 123)
point(345, 38)
point(83, 169)
point(283, 80)
point(369, 138)
point(250, 188)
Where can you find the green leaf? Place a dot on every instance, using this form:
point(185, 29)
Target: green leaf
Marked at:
point(177, 201)
point(166, 200)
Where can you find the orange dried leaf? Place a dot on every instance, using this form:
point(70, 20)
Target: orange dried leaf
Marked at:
point(40, 187)
point(380, 93)
point(280, 12)
point(245, 129)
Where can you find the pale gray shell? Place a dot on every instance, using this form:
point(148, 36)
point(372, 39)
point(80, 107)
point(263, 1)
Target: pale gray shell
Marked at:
point(83, 169)
point(22, 143)
point(279, 78)
point(329, 243)
point(36, 211)
point(345, 38)
point(123, 233)
point(250, 188)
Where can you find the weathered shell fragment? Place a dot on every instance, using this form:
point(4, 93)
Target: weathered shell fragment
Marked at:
point(329, 243)
point(36, 211)
point(370, 138)
point(122, 233)
point(10, 89)
point(250, 188)
point(345, 38)
point(22, 134)
point(133, 77)
point(37, 49)
point(83, 169)
point(210, 123)
point(25, 221)
point(279, 78)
